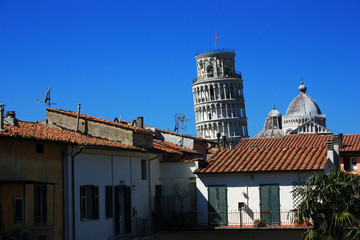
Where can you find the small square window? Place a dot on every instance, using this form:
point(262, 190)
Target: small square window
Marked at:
point(39, 148)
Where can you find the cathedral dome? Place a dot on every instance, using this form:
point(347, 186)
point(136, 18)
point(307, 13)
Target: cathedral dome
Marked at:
point(302, 105)
point(274, 113)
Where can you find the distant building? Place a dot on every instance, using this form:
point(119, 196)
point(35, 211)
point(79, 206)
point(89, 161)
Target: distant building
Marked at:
point(302, 116)
point(219, 103)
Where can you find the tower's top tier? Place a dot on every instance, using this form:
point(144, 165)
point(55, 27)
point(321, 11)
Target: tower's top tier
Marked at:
point(216, 63)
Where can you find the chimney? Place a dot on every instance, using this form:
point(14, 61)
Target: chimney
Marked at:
point(332, 154)
point(2, 117)
point(224, 141)
point(78, 118)
point(139, 122)
point(218, 139)
point(336, 143)
point(10, 118)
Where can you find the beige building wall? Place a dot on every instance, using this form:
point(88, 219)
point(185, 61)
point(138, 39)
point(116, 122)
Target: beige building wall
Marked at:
point(21, 168)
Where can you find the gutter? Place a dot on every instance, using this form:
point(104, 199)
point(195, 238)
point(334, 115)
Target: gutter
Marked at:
point(73, 187)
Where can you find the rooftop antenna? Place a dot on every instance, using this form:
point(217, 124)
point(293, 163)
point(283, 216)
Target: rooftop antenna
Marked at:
point(47, 99)
point(179, 120)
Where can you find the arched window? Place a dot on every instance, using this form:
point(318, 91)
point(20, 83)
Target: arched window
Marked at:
point(210, 71)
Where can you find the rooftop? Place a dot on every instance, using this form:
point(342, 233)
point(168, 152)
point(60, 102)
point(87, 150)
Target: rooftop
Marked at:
point(294, 152)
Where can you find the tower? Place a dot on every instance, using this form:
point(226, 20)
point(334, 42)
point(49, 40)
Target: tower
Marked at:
point(219, 103)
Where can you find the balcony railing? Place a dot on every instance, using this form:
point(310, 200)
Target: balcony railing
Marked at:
point(217, 75)
point(217, 50)
point(231, 219)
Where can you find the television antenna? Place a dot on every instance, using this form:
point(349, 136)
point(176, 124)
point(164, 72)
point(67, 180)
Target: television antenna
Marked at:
point(179, 125)
point(47, 99)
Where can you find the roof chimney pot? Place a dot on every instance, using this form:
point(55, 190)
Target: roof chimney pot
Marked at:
point(139, 122)
point(10, 118)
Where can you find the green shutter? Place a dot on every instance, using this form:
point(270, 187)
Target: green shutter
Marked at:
point(217, 205)
point(270, 204)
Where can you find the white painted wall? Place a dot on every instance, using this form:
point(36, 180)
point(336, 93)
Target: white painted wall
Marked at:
point(102, 168)
point(249, 184)
point(178, 173)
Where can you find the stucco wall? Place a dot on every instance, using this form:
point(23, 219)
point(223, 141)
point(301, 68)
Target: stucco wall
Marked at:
point(102, 168)
point(92, 128)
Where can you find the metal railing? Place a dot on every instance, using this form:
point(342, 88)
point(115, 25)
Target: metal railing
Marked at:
point(235, 219)
point(215, 50)
point(218, 75)
point(42, 231)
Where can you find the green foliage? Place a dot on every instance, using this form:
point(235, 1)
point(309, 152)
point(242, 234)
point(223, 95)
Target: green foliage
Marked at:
point(260, 223)
point(331, 203)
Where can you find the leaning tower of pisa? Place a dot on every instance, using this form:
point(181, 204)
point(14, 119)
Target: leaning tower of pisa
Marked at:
point(219, 103)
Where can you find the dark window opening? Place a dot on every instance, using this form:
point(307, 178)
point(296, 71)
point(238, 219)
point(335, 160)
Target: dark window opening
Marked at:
point(109, 201)
point(89, 202)
point(39, 148)
point(18, 209)
point(347, 166)
point(40, 204)
point(212, 92)
point(143, 169)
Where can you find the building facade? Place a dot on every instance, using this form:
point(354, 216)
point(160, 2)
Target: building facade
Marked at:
point(219, 102)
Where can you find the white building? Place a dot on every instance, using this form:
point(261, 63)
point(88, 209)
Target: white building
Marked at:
point(259, 175)
point(116, 185)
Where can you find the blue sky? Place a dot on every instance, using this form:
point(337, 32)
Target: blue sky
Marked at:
point(137, 58)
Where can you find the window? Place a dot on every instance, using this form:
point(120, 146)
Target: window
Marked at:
point(354, 164)
point(109, 201)
point(18, 210)
point(143, 169)
point(39, 148)
point(40, 203)
point(89, 202)
point(347, 164)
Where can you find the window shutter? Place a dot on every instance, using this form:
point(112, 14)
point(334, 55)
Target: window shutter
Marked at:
point(96, 202)
point(82, 203)
point(109, 201)
point(127, 209)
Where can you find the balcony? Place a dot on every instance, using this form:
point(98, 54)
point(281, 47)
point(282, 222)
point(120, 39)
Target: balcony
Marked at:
point(229, 220)
point(216, 75)
point(216, 50)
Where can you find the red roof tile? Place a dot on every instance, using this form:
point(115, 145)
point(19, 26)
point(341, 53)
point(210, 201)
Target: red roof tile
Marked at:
point(37, 131)
point(296, 152)
point(350, 143)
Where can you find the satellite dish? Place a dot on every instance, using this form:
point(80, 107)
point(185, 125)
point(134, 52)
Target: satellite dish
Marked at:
point(47, 96)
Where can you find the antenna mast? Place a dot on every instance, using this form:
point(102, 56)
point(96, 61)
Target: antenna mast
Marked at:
point(47, 99)
point(179, 120)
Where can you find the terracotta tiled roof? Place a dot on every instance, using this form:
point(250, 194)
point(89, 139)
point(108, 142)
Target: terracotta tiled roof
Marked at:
point(122, 124)
point(350, 143)
point(298, 152)
point(187, 136)
point(173, 147)
point(37, 131)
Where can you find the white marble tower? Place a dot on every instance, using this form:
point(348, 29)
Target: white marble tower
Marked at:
point(218, 97)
